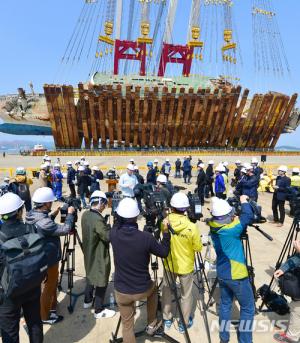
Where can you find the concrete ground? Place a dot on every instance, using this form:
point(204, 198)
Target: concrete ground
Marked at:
point(81, 325)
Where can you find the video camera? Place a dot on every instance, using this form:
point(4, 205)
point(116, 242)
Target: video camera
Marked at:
point(256, 209)
point(112, 175)
point(116, 198)
point(74, 202)
point(195, 210)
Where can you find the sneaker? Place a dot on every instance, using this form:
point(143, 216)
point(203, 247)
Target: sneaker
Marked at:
point(53, 319)
point(189, 325)
point(156, 330)
point(106, 313)
point(87, 305)
point(168, 323)
point(282, 337)
point(279, 225)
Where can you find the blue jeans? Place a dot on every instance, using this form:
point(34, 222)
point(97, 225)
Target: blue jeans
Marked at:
point(242, 291)
point(82, 197)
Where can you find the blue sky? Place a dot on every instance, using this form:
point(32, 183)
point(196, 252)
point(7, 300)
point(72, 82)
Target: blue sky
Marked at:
point(34, 35)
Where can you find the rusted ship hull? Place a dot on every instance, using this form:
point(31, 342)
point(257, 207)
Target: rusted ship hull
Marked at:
point(167, 118)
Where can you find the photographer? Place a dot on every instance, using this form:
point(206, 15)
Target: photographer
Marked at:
point(151, 175)
point(95, 242)
point(71, 176)
point(280, 194)
point(180, 262)
point(232, 272)
point(132, 249)
point(45, 225)
point(292, 334)
point(162, 187)
point(11, 210)
point(249, 185)
point(96, 176)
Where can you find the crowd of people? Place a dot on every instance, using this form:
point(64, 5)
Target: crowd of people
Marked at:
point(132, 248)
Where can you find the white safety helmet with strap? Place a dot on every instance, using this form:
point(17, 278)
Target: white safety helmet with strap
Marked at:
point(296, 170)
point(201, 165)
point(220, 207)
point(43, 195)
point(162, 178)
point(43, 166)
point(86, 163)
point(10, 203)
point(180, 201)
point(99, 197)
point(130, 166)
point(238, 162)
point(69, 163)
point(283, 168)
point(128, 208)
point(211, 162)
point(155, 161)
point(95, 168)
point(220, 168)
point(254, 160)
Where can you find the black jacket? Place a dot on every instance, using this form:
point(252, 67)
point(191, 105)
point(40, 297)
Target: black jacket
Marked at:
point(151, 176)
point(210, 174)
point(83, 182)
point(51, 231)
point(283, 182)
point(71, 175)
point(249, 186)
point(95, 185)
point(201, 179)
point(132, 249)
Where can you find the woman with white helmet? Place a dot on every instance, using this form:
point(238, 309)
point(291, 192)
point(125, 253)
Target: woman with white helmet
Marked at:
point(11, 211)
point(132, 249)
point(220, 187)
point(280, 195)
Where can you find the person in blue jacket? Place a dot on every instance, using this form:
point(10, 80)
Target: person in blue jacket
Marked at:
point(292, 333)
point(96, 176)
point(280, 194)
point(232, 271)
point(220, 187)
point(187, 170)
point(57, 178)
point(249, 185)
point(166, 168)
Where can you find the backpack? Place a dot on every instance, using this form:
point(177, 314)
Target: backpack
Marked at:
point(289, 284)
point(25, 262)
point(23, 191)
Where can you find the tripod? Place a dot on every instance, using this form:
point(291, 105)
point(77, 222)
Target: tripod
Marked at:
point(68, 259)
point(287, 251)
point(201, 277)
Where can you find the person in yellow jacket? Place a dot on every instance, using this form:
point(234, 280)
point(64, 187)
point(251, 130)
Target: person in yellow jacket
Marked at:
point(265, 183)
point(185, 242)
point(295, 178)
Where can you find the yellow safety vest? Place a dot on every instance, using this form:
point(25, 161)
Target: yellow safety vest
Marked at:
point(295, 181)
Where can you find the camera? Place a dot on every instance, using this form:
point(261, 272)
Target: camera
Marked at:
point(74, 202)
point(112, 175)
point(115, 197)
point(256, 209)
point(195, 210)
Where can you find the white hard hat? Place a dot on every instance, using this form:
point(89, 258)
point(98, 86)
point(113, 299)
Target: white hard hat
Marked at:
point(136, 168)
point(238, 162)
point(220, 207)
point(156, 160)
point(128, 208)
point(43, 195)
point(47, 164)
point(20, 170)
point(211, 162)
point(254, 160)
point(225, 164)
point(220, 168)
point(167, 160)
point(10, 203)
point(56, 165)
point(244, 170)
point(296, 170)
point(201, 165)
point(283, 169)
point(97, 196)
point(82, 157)
point(86, 163)
point(69, 163)
point(95, 168)
point(248, 166)
point(81, 168)
point(162, 178)
point(43, 166)
point(48, 159)
point(130, 167)
point(77, 162)
point(180, 201)
point(131, 160)
point(6, 179)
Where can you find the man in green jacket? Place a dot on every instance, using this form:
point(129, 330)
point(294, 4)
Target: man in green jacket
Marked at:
point(95, 241)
